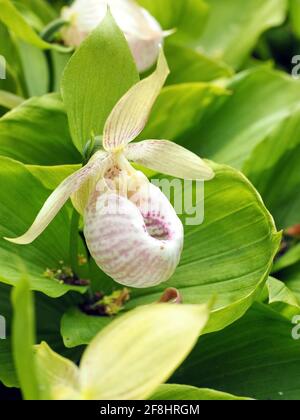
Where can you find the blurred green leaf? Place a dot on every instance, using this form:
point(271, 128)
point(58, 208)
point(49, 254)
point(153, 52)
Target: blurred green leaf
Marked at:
point(48, 315)
point(9, 100)
point(35, 69)
point(59, 62)
point(109, 367)
point(8, 375)
point(96, 77)
point(295, 16)
point(37, 133)
point(282, 299)
point(291, 278)
point(274, 165)
point(188, 17)
point(41, 8)
point(13, 19)
point(8, 49)
point(228, 257)
point(172, 392)
point(188, 65)
point(24, 338)
point(87, 327)
point(232, 130)
point(181, 107)
point(21, 197)
point(291, 257)
point(58, 377)
point(256, 356)
point(234, 27)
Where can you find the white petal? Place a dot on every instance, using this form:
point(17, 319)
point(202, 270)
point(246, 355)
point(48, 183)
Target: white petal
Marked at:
point(145, 52)
point(169, 158)
point(139, 242)
point(84, 16)
point(130, 115)
point(143, 33)
point(134, 20)
point(59, 197)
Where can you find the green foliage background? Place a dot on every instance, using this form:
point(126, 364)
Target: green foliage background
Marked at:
point(230, 98)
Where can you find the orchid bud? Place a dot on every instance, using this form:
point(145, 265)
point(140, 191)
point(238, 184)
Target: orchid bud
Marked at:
point(142, 31)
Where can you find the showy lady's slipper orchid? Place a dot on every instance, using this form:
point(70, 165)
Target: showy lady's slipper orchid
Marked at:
point(131, 229)
point(142, 31)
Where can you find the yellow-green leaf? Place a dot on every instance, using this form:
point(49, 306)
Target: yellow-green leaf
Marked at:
point(139, 351)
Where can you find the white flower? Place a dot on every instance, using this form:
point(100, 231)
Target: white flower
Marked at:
point(142, 31)
point(131, 229)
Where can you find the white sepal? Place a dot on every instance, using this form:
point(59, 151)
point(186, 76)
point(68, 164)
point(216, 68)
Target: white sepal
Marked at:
point(60, 196)
point(131, 113)
point(169, 158)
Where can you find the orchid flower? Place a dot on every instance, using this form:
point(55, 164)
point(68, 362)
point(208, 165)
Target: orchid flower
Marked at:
point(136, 238)
point(143, 33)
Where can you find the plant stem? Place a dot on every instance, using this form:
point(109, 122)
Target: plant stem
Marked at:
point(74, 236)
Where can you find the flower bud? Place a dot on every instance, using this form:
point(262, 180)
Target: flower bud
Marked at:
point(142, 31)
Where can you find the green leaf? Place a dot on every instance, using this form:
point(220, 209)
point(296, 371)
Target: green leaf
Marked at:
point(96, 77)
point(291, 277)
point(128, 359)
point(241, 24)
point(278, 292)
point(41, 8)
point(256, 356)
point(35, 69)
point(188, 65)
point(228, 257)
point(181, 107)
point(232, 130)
point(24, 338)
point(58, 377)
point(37, 133)
point(136, 353)
point(9, 100)
point(48, 315)
point(172, 392)
point(8, 49)
point(52, 176)
point(282, 299)
point(188, 17)
point(59, 62)
point(7, 372)
point(291, 257)
point(21, 197)
point(295, 16)
point(274, 161)
point(13, 19)
point(86, 327)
